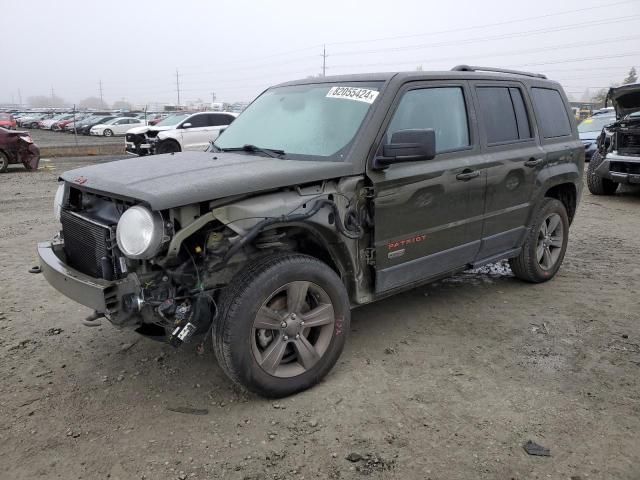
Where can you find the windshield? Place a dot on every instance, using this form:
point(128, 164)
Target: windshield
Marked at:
point(595, 124)
point(172, 120)
point(304, 121)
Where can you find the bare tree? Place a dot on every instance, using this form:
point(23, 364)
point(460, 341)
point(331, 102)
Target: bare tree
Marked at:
point(46, 101)
point(92, 102)
point(121, 105)
point(632, 77)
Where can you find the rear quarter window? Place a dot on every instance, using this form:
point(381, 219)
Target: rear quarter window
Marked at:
point(553, 120)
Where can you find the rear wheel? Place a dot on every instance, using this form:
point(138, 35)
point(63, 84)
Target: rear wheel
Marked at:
point(545, 244)
point(282, 324)
point(596, 184)
point(4, 162)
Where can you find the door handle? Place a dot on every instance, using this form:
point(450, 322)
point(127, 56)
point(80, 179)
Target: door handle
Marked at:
point(468, 175)
point(533, 162)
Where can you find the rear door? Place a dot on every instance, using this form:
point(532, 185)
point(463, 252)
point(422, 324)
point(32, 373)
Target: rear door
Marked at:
point(429, 214)
point(514, 160)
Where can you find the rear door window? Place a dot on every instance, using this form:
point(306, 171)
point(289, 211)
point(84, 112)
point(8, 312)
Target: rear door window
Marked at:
point(503, 114)
point(553, 120)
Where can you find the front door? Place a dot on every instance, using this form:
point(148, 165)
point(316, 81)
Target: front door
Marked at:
point(429, 214)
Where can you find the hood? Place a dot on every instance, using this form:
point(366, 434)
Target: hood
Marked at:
point(145, 129)
point(625, 99)
point(590, 135)
point(173, 180)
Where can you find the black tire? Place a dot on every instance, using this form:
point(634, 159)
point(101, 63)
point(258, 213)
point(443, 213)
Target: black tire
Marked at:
point(596, 184)
point(234, 330)
point(4, 162)
point(168, 146)
point(108, 132)
point(527, 265)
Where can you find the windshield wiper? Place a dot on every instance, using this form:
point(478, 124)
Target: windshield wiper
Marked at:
point(271, 152)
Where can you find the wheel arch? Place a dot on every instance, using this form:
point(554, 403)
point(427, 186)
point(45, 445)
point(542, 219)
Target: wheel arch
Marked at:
point(327, 246)
point(567, 193)
point(168, 140)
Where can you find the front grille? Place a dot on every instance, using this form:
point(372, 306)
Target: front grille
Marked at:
point(88, 246)
point(629, 143)
point(625, 167)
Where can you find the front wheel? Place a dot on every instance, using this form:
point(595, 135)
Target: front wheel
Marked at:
point(545, 244)
point(596, 184)
point(108, 133)
point(168, 146)
point(282, 324)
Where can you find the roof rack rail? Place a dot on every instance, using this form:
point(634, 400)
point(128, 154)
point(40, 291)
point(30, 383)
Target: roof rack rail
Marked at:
point(471, 68)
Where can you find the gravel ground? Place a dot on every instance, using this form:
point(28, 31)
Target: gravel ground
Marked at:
point(48, 138)
point(447, 381)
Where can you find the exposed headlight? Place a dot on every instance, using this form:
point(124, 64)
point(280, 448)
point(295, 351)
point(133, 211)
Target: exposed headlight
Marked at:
point(57, 201)
point(140, 232)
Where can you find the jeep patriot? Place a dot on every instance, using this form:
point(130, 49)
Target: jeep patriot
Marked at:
point(323, 195)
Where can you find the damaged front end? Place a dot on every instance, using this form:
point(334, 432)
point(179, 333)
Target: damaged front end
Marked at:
point(168, 287)
point(619, 143)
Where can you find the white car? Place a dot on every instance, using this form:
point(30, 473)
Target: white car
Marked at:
point(117, 126)
point(138, 140)
point(194, 133)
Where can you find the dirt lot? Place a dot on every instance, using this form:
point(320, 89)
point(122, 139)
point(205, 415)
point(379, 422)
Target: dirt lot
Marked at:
point(443, 382)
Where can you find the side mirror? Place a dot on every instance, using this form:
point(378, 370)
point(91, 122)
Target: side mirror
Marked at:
point(408, 146)
point(186, 125)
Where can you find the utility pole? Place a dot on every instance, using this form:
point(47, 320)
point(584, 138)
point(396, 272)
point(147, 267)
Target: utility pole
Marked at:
point(213, 98)
point(178, 86)
point(20, 97)
point(324, 60)
point(101, 99)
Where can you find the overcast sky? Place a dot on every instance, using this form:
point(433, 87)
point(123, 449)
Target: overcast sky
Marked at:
point(236, 48)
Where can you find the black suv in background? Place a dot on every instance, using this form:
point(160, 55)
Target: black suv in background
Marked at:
point(323, 195)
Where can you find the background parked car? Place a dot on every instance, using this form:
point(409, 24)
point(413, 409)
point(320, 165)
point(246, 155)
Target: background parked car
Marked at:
point(7, 121)
point(590, 129)
point(48, 124)
point(84, 127)
point(18, 147)
point(32, 120)
point(194, 133)
point(117, 126)
point(138, 140)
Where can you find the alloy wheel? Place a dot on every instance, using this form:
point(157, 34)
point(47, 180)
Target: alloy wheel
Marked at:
point(292, 329)
point(550, 241)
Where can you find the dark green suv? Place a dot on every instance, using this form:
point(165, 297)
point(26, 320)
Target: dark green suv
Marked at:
point(323, 195)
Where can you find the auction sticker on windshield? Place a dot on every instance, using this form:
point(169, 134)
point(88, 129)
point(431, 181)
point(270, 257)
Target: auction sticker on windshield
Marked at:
point(351, 93)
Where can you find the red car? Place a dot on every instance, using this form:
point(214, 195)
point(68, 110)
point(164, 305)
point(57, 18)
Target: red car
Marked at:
point(18, 147)
point(7, 121)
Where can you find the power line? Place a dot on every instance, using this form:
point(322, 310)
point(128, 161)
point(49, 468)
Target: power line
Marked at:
point(497, 54)
point(486, 25)
point(494, 37)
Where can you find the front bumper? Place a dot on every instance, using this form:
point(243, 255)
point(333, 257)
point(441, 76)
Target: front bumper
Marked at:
point(137, 149)
point(605, 169)
point(101, 295)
